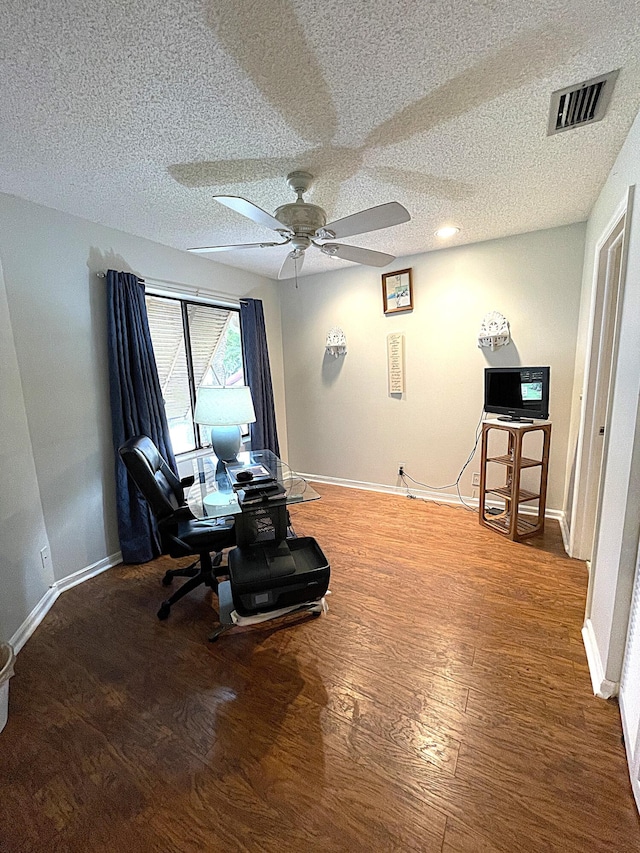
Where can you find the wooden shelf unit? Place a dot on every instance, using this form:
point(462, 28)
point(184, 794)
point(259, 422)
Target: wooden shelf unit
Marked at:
point(510, 522)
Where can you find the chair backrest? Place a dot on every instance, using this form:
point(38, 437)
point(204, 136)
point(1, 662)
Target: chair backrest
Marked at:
point(151, 474)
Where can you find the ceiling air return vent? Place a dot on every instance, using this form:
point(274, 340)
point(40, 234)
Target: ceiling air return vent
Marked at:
point(581, 104)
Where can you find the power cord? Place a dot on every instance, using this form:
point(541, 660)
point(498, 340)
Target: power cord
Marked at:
point(404, 476)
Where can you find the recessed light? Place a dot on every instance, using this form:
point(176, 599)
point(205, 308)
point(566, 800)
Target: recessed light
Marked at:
point(447, 231)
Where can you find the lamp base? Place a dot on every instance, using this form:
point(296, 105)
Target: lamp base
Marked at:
point(226, 442)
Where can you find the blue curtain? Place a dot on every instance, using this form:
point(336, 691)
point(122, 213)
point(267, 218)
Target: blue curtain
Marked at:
point(137, 408)
point(264, 435)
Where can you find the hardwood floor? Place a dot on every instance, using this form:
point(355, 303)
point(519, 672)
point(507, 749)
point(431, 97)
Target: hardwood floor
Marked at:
point(443, 705)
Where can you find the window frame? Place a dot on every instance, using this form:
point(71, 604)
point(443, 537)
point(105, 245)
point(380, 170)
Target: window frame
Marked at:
point(184, 302)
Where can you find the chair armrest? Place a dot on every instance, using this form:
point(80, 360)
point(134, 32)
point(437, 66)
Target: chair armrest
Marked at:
point(185, 482)
point(183, 513)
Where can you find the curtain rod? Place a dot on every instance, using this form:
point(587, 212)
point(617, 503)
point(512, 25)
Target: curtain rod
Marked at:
point(102, 274)
point(177, 289)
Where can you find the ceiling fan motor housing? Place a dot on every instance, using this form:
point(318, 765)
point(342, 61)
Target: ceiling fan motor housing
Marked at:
point(302, 218)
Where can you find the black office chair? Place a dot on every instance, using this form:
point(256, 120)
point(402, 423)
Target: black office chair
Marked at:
point(181, 534)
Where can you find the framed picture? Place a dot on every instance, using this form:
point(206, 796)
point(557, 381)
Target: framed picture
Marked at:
point(397, 292)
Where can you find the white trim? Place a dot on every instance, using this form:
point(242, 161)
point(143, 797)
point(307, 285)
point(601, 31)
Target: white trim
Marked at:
point(576, 538)
point(566, 534)
point(602, 687)
point(47, 601)
point(89, 572)
point(36, 616)
point(353, 484)
point(423, 494)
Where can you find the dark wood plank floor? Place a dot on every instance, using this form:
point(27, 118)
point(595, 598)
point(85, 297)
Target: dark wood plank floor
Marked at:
point(443, 705)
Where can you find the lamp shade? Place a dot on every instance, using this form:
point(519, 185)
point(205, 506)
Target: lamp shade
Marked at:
point(224, 406)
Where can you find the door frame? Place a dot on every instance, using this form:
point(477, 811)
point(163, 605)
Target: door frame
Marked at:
point(580, 539)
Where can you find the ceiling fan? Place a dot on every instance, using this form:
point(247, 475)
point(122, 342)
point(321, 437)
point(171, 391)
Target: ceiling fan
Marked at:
point(301, 225)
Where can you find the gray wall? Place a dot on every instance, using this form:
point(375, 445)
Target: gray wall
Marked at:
point(57, 310)
point(23, 580)
point(341, 420)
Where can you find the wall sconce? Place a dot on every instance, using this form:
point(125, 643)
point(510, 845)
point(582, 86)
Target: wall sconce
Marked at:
point(494, 331)
point(336, 343)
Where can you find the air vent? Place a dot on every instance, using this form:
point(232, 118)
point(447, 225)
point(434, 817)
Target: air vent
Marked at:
point(581, 104)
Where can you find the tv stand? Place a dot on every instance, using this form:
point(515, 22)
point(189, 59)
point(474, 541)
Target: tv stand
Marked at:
point(512, 420)
point(510, 522)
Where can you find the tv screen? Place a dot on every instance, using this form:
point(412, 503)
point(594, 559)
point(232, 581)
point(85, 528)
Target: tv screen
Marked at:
point(517, 393)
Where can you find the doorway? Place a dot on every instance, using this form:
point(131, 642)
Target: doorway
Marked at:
point(598, 385)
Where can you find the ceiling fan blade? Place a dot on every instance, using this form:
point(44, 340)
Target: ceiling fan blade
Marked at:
point(357, 255)
point(201, 250)
point(292, 265)
point(251, 211)
point(382, 216)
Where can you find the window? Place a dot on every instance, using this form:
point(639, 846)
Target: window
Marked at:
point(194, 344)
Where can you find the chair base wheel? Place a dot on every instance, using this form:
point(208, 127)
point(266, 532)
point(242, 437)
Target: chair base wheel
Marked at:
point(167, 579)
point(165, 609)
point(220, 630)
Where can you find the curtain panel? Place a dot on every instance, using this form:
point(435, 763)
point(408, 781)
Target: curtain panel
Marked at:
point(264, 435)
point(137, 408)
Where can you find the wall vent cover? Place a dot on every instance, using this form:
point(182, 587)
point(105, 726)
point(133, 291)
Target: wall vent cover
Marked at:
point(581, 104)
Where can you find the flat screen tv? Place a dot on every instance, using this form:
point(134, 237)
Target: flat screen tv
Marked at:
point(517, 393)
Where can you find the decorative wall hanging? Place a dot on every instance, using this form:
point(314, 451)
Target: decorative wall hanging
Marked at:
point(494, 331)
point(336, 342)
point(397, 291)
point(395, 363)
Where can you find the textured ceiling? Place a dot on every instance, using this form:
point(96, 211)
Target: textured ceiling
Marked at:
point(133, 114)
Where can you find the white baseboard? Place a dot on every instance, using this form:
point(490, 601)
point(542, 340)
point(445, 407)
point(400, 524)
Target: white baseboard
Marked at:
point(424, 494)
point(88, 572)
point(602, 687)
point(47, 601)
point(36, 616)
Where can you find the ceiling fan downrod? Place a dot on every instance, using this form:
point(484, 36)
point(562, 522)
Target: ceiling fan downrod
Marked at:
point(300, 182)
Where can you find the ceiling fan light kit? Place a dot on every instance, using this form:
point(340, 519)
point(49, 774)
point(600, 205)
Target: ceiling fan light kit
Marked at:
point(302, 225)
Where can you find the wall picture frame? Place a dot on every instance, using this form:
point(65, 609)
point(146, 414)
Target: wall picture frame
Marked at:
point(397, 291)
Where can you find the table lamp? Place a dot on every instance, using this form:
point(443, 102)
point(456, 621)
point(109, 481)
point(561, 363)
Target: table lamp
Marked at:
point(224, 410)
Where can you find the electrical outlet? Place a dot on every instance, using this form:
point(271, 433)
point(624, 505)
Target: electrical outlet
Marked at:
point(45, 557)
point(475, 479)
point(401, 467)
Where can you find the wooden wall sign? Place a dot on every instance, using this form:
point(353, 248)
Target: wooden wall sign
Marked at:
point(395, 363)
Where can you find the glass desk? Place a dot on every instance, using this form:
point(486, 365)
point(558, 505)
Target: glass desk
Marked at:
point(271, 572)
point(212, 496)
